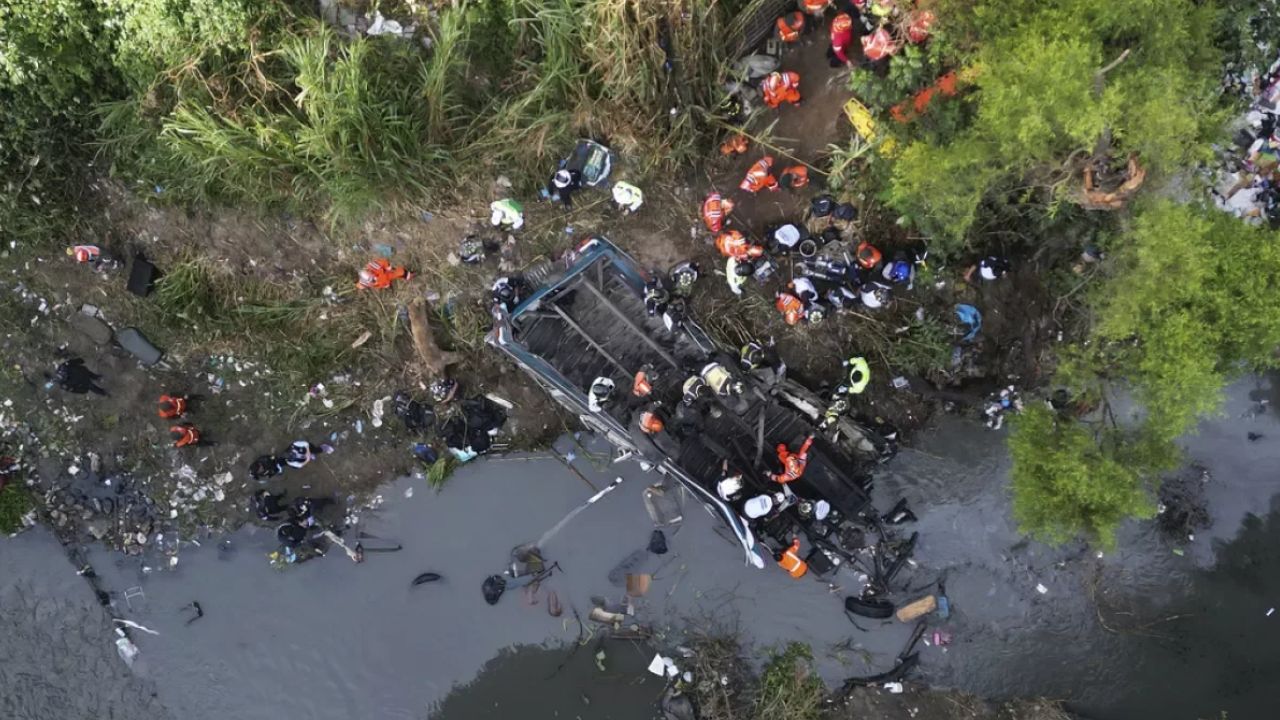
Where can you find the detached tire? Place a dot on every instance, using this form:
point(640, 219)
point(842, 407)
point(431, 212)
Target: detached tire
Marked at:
point(873, 608)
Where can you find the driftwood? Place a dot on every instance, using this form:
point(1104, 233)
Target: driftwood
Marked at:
point(432, 358)
point(1097, 199)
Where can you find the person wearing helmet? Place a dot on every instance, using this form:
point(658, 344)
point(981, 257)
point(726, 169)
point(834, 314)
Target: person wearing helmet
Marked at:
point(693, 390)
point(791, 307)
point(841, 298)
point(184, 435)
point(822, 206)
point(786, 237)
point(868, 255)
point(815, 313)
point(789, 559)
point(736, 273)
point(674, 315)
point(780, 87)
point(444, 390)
point(733, 244)
point(736, 144)
point(759, 176)
point(803, 288)
point(378, 274)
point(627, 197)
point(841, 40)
point(600, 394)
point(793, 463)
point(650, 422)
point(171, 406)
point(794, 177)
point(790, 26)
point(642, 384)
point(874, 295)
point(859, 376)
point(506, 214)
point(730, 486)
point(656, 296)
point(563, 184)
point(838, 407)
point(900, 271)
point(715, 211)
point(720, 380)
point(508, 292)
point(683, 276)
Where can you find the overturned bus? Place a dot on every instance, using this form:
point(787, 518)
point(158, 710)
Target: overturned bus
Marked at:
point(584, 318)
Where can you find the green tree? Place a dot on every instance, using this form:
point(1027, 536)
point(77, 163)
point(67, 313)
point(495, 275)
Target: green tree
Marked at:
point(1055, 80)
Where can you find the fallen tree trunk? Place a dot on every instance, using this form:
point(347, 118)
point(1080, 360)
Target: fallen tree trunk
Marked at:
point(434, 361)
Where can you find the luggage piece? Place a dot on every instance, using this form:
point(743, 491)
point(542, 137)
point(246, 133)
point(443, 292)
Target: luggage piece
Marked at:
point(93, 328)
point(142, 276)
point(132, 340)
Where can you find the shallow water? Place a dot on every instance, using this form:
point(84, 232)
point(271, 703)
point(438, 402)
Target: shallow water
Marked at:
point(330, 639)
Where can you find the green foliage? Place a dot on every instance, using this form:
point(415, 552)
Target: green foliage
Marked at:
point(1065, 482)
point(15, 501)
point(790, 688)
point(911, 70)
point(926, 346)
point(440, 471)
point(1039, 98)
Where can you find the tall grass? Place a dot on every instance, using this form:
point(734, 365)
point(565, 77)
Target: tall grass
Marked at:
point(326, 124)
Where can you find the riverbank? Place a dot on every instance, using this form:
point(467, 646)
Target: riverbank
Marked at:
point(1175, 635)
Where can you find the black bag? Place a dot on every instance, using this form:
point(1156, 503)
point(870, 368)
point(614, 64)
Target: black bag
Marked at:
point(658, 543)
point(822, 206)
point(142, 276)
point(493, 588)
point(846, 212)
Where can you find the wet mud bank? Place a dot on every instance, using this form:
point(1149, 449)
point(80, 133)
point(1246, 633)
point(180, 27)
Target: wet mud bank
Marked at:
point(1143, 632)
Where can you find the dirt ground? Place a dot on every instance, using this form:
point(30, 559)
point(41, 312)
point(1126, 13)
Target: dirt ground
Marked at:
point(916, 703)
point(245, 408)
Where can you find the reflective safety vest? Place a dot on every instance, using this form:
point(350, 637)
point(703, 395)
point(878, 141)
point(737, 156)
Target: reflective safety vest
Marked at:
point(859, 374)
point(878, 45)
point(378, 274)
point(735, 280)
point(628, 196)
point(760, 177)
point(650, 422)
point(815, 7)
point(791, 308)
point(718, 378)
point(790, 26)
point(793, 463)
point(795, 177)
point(791, 562)
point(714, 208)
point(642, 387)
point(184, 435)
point(85, 253)
point(780, 87)
point(732, 244)
point(170, 407)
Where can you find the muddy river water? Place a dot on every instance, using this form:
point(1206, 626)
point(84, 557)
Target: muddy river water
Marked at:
point(1181, 634)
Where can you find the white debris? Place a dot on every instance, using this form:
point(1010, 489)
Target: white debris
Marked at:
point(408, 492)
point(893, 687)
point(1040, 588)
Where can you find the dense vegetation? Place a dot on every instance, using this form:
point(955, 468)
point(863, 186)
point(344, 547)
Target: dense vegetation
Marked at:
point(263, 104)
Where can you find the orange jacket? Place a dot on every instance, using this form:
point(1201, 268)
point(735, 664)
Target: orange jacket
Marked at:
point(815, 7)
point(868, 255)
point(921, 23)
point(780, 87)
point(878, 45)
point(733, 244)
point(790, 26)
point(793, 463)
point(85, 253)
point(791, 562)
point(735, 145)
point(642, 387)
point(795, 177)
point(760, 176)
point(379, 274)
point(170, 407)
point(793, 312)
point(184, 435)
point(714, 208)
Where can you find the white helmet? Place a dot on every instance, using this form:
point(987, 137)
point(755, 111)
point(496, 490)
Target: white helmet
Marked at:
point(562, 179)
point(758, 506)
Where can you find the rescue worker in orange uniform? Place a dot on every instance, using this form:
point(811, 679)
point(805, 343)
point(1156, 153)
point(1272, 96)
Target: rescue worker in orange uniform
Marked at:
point(841, 40)
point(642, 386)
point(171, 406)
point(794, 177)
point(714, 210)
point(735, 145)
point(792, 462)
point(790, 26)
point(815, 7)
point(789, 560)
point(779, 87)
point(878, 45)
point(760, 176)
point(868, 255)
point(732, 244)
point(379, 274)
point(650, 423)
point(184, 435)
point(792, 309)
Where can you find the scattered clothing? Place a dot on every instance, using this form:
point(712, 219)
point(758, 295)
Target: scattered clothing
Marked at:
point(627, 197)
point(506, 214)
point(378, 274)
point(74, 377)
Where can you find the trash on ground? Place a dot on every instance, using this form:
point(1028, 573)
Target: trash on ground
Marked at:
point(1040, 588)
point(917, 608)
point(893, 687)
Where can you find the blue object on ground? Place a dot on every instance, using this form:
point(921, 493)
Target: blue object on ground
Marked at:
point(969, 315)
